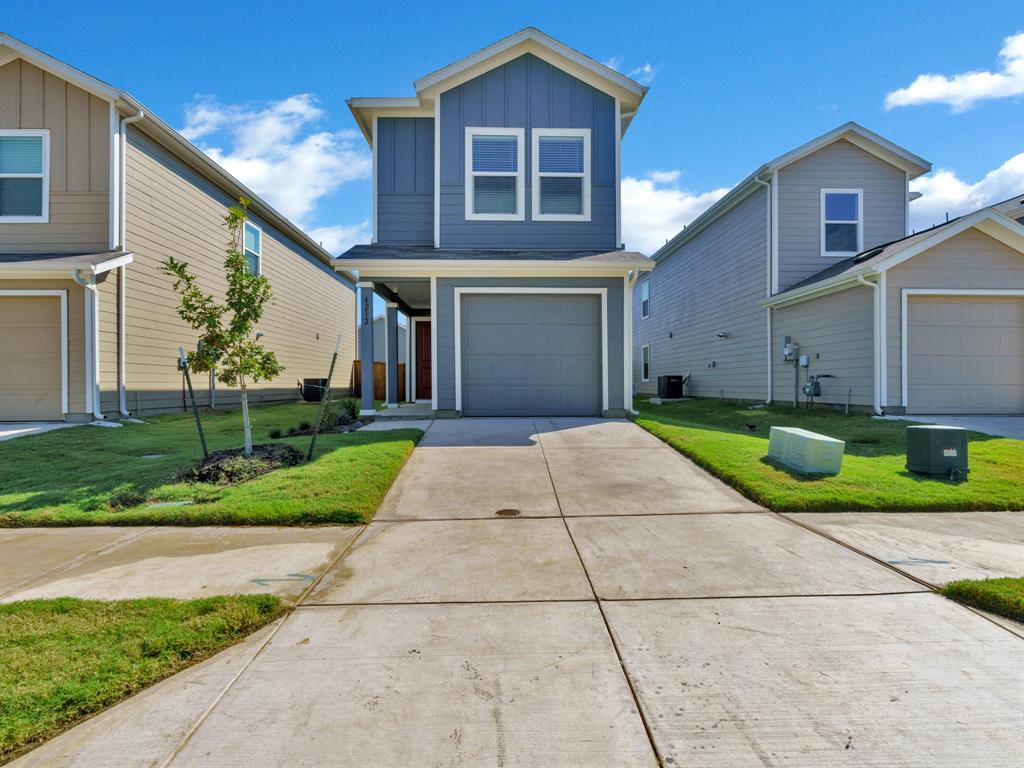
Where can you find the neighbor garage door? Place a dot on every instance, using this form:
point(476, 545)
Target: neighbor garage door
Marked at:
point(531, 354)
point(30, 358)
point(965, 354)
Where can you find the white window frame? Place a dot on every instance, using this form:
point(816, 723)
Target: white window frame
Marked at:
point(44, 218)
point(645, 302)
point(860, 221)
point(259, 240)
point(645, 351)
point(520, 174)
point(583, 133)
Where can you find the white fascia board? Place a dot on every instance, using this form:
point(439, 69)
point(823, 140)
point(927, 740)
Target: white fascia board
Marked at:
point(531, 40)
point(867, 140)
point(825, 287)
point(364, 110)
point(380, 268)
point(109, 264)
point(60, 69)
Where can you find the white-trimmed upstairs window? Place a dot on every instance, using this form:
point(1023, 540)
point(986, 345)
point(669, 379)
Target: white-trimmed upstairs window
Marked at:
point(24, 176)
point(645, 362)
point(561, 174)
point(252, 247)
point(842, 222)
point(645, 299)
point(495, 190)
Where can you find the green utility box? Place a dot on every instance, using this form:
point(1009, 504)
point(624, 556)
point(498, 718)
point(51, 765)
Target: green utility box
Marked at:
point(806, 451)
point(935, 450)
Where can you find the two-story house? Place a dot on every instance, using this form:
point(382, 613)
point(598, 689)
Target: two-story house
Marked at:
point(808, 268)
point(497, 231)
point(95, 193)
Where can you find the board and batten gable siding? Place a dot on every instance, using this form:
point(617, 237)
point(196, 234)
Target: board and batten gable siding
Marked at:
point(76, 335)
point(79, 126)
point(445, 320)
point(971, 259)
point(528, 93)
point(714, 283)
point(405, 180)
point(173, 211)
point(837, 334)
point(838, 165)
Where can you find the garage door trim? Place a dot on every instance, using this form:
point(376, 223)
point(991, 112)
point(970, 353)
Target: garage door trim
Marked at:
point(906, 293)
point(63, 296)
point(602, 292)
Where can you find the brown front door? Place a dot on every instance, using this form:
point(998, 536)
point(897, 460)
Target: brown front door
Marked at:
point(423, 362)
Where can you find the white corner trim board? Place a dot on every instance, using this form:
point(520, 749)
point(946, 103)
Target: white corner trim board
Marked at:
point(61, 294)
point(906, 293)
point(433, 343)
point(460, 292)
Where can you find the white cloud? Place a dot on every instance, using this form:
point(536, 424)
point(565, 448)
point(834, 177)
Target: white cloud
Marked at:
point(654, 209)
point(643, 74)
point(944, 192)
point(274, 149)
point(338, 238)
point(963, 91)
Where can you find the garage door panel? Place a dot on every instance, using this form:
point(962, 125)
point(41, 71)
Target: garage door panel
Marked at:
point(965, 354)
point(526, 354)
point(30, 358)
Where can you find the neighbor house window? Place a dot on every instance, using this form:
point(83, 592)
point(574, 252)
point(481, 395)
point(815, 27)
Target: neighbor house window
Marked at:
point(842, 222)
point(560, 185)
point(24, 176)
point(494, 174)
point(645, 298)
point(253, 247)
point(645, 362)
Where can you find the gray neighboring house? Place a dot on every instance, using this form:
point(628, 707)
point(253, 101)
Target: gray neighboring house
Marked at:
point(380, 337)
point(813, 248)
point(497, 232)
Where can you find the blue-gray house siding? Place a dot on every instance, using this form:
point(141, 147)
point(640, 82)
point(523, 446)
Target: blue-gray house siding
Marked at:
point(528, 93)
point(405, 180)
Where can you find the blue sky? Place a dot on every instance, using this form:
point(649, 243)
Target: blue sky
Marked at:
point(262, 87)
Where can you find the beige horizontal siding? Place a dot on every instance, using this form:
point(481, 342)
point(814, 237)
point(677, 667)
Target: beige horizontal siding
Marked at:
point(79, 126)
point(971, 259)
point(836, 332)
point(76, 334)
point(172, 211)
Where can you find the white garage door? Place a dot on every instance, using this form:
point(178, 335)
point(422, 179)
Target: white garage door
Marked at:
point(30, 359)
point(965, 354)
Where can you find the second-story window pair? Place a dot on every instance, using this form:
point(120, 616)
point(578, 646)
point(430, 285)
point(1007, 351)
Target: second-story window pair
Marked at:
point(495, 174)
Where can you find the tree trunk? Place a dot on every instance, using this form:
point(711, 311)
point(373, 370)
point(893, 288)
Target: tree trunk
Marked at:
point(247, 427)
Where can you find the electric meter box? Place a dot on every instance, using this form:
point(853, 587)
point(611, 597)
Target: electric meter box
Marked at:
point(805, 451)
point(935, 450)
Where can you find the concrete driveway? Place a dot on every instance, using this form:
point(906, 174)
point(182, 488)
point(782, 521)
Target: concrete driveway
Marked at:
point(574, 593)
point(1000, 426)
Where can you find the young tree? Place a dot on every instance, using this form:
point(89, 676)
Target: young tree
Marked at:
point(228, 343)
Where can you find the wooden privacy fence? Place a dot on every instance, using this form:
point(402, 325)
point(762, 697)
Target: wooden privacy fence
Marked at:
point(379, 380)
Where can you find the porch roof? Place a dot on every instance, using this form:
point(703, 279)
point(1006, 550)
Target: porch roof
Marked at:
point(37, 263)
point(393, 254)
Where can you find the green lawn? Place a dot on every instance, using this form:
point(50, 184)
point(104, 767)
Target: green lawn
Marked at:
point(1002, 596)
point(101, 476)
point(62, 660)
point(718, 436)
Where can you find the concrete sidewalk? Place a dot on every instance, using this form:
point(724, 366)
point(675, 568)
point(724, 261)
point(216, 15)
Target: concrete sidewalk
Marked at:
point(532, 593)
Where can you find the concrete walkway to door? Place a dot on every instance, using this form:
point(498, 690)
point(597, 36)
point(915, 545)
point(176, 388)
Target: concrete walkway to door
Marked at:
point(572, 592)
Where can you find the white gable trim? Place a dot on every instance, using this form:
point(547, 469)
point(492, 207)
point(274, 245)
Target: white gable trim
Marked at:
point(60, 69)
point(860, 137)
point(993, 224)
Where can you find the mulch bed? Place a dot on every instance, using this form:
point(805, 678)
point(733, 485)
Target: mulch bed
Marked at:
point(230, 467)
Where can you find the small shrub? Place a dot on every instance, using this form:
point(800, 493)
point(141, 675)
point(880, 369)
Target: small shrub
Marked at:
point(292, 431)
point(275, 434)
point(304, 426)
point(349, 410)
point(230, 467)
point(331, 420)
point(125, 496)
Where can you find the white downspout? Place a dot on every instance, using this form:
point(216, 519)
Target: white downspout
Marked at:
point(121, 271)
point(768, 268)
point(627, 314)
point(877, 402)
point(93, 295)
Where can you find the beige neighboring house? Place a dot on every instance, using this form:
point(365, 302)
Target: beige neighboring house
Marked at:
point(95, 193)
point(815, 248)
